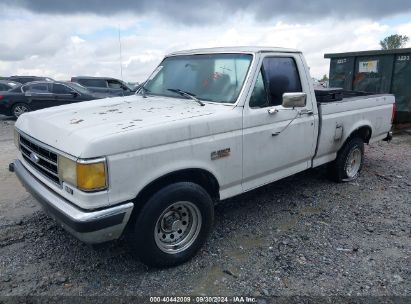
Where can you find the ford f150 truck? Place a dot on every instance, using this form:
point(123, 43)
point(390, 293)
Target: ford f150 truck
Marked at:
point(207, 125)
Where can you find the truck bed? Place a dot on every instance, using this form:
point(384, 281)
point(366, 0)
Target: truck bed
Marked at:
point(338, 119)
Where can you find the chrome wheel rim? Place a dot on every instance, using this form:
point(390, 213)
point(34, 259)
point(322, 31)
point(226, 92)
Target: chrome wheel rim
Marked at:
point(353, 163)
point(177, 227)
point(18, 110)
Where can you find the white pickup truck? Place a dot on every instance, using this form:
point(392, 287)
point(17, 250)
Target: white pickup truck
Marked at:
point(208, 124)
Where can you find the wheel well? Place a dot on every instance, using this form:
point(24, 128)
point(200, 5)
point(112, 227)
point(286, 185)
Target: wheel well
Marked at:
point(199, 176)
point(363, 132)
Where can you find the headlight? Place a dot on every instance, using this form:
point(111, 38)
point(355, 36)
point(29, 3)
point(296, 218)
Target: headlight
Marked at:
point(85, 175)
point(67, 170)
point(16, 138)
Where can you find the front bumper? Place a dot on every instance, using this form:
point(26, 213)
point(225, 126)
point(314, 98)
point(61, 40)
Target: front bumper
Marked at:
point(88, 226)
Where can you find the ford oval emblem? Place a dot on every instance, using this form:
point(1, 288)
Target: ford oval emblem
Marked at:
point(34, 158)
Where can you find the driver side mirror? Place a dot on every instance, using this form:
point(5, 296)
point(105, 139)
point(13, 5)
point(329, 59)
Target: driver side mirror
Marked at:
point(74, 94)
point(294, 100)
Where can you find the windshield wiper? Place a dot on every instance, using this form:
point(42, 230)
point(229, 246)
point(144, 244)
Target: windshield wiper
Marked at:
point(187, 94)
point(143, 90)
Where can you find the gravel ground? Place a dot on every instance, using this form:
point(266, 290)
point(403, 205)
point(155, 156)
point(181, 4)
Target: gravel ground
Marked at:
point(313, 238)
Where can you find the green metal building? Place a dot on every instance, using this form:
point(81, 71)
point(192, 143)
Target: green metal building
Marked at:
point(379, 71)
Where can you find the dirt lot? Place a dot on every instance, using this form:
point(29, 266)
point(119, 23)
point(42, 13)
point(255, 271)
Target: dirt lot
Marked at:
point(300, 236)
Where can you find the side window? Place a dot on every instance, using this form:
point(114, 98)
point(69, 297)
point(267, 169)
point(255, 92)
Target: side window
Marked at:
point(24, 80)
point(61, 89)
point(258, 97)
point(97, 83)
point(3, 87)
point(281, 76)
point(39, 88)
point(114, 84)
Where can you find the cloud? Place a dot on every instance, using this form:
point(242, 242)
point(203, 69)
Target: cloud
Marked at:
point(68, 53)
point(84, 43)
point(77, 39)
point(195, 12)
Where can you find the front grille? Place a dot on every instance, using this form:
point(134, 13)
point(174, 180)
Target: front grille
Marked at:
point(47, 160)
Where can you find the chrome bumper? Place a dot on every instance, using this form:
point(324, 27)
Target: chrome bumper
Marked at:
point(88, 226)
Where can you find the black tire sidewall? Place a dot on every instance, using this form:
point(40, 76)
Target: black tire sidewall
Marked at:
point(142, 235)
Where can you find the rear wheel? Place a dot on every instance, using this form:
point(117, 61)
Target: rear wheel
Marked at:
point(19, 108)
point(349, 161)
point(172, 225)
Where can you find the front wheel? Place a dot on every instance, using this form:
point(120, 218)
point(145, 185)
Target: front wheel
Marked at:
point(19, 108)
point(349, 161)
point(172, 225)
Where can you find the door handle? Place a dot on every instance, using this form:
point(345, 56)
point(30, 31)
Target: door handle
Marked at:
point(306, 112)
point(272, 111)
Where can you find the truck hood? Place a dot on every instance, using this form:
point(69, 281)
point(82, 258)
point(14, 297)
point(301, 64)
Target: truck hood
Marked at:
point(115, 125)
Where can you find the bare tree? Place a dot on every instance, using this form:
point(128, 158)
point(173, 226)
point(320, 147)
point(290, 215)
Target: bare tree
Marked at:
point(394, 42)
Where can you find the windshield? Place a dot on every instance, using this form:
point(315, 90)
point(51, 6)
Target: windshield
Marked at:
point(210, 77)
point(78, 87)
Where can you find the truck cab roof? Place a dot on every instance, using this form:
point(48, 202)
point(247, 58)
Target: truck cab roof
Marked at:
point(235, 49)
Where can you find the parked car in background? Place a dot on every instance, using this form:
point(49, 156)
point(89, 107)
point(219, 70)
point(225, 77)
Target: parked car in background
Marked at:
point(6, 85)
point(105, 85)
point(42, 94)
point(26, 79)
point(134, 85)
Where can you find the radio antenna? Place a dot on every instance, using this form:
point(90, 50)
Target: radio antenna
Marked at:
point(121, 58)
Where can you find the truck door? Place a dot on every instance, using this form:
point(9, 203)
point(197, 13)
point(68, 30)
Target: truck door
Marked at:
point(277, 141)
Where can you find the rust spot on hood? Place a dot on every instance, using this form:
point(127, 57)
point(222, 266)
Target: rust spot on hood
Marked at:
point(130, 126)
point(76, 121)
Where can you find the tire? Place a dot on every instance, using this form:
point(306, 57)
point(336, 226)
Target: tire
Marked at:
point(172, 225)
point(18, 109)
point(348, 164)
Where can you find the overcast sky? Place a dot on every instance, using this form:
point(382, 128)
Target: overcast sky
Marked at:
point(80, 37)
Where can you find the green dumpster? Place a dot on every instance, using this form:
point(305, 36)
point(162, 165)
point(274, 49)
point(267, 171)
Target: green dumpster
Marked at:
point(379, 71)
